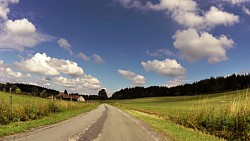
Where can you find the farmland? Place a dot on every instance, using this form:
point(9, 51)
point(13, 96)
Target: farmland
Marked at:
point(28, 112)
point(225, 115)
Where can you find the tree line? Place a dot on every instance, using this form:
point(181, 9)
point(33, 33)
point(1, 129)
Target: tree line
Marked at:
point(38, 91)
point(27, 89)
point(206, 86)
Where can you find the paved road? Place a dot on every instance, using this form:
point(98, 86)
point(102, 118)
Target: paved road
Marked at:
point(106, 123)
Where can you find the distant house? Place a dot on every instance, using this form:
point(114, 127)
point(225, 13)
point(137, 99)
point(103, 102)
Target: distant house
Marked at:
point(71, 97)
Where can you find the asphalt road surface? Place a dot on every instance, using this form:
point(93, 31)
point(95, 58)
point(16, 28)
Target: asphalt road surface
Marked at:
point(106, 123)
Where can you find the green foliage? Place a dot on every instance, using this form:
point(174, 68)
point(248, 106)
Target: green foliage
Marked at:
point(27, 108)
point(171, 130)
point(17, 127)
point(206, 86)
point(18, 91)
point(43, 94)
point(102, 94)
point(4, 112)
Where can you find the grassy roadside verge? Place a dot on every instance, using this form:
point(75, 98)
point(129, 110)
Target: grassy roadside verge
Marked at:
point(18, 127)
point(224, 115)
point(171, 130)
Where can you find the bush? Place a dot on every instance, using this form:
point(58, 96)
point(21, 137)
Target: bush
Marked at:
point(4, 112)
point(31, 109)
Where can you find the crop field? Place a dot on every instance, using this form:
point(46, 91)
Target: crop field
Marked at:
point(28, 112)
point(225, 115)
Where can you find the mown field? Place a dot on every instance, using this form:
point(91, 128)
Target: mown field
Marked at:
point(224, 115)
point(28, 112)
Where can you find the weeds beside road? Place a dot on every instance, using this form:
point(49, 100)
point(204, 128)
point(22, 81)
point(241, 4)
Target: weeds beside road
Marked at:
point(225, 115)
point(30, 112)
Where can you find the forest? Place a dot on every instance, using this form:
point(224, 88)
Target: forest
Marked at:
point(206, 86)
point(38, 91)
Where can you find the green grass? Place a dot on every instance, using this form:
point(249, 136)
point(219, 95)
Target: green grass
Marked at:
point(181, 104)
point(171, 130)
point(225, 115)
point(30, 112)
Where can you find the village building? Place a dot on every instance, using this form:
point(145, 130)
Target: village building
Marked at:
point(70, 97)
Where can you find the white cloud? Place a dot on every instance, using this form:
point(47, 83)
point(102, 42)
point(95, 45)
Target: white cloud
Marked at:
point(246, 10)
point(236, 2)
point(194, 46)
point(187, 13)
point(17, 34)
point(160, 52)
point(14, 74)
point(173, 5)
point(166, 67)
point(2, 67)
point(83, 56)
point(20, 34)
point(22, 26)
point(66, 66)
point(4, 8)
point(43, 64)
point(65, 44)
point(98, 59)
point(133, 77)
point(33, 83)
point(216, 17)
point(176, 82)
point(85, 81)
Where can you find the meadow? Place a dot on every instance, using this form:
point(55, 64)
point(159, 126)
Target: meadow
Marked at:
point(224, 115)
point(28, 112)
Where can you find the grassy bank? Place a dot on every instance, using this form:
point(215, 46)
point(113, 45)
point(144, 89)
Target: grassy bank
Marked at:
point(225, 115)
point(170, 129)
point(30, 112)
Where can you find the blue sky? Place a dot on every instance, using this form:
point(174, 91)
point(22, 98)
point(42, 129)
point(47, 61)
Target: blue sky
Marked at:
point(83, 46)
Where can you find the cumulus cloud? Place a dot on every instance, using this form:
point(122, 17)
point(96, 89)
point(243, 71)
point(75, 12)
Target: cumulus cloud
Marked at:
point(83, 56)
point(187, 13)
point(246, 10)
point(43, 64)
point(65, 44)
point(133, 77)
point(4, 8)
point(20, 34)
point(17, 34)
point(2, 67)
point(85, 81)
point(176, 82)
point(22, 26)
point(166, 67)
point(98, 59)
point(14, 74)
point(194, 45)
point(216, 17)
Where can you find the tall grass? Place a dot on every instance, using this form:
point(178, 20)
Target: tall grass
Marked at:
point(31, 110)
point(229, 120)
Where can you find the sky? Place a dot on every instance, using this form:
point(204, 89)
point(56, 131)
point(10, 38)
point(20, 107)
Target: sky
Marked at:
point(86, 45)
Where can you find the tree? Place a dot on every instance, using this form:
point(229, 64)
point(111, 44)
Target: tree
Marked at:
point(43, 94)
point(65, 91)
point(102, 94)
point(18, 91)
point(35, 91)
